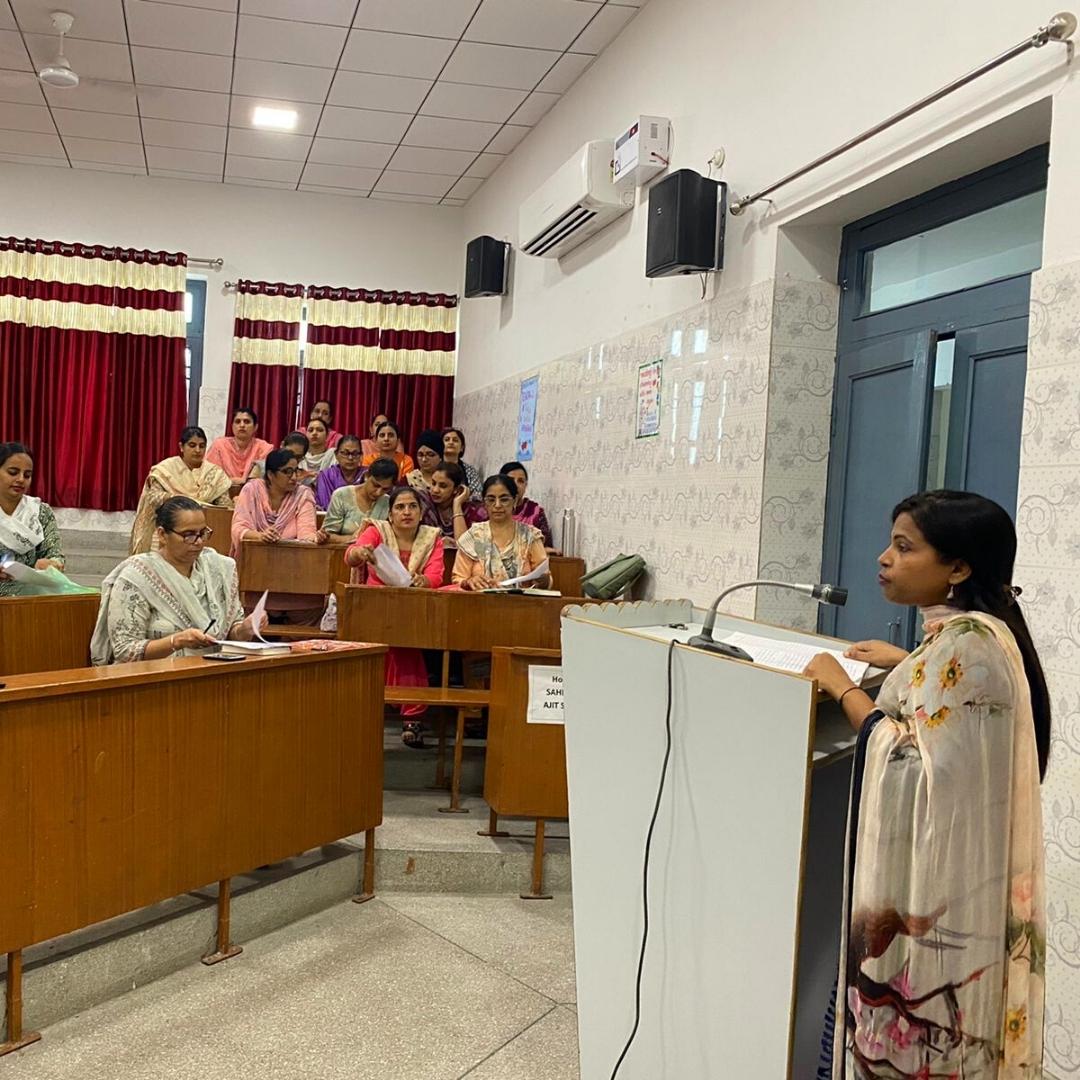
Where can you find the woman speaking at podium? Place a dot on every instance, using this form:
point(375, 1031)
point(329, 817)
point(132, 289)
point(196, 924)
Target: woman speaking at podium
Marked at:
point(944, 937)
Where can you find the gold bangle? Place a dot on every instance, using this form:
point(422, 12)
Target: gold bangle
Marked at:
point(840, 699)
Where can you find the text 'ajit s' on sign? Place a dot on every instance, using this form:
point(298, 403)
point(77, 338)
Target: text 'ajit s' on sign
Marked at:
point(545, 695)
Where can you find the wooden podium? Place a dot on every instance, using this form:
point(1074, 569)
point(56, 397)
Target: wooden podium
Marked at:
point(745, 882)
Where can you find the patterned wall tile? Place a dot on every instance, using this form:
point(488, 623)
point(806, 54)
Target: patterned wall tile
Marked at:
point(1051, 432)
point(805, 313)
point(1054, 329)
point(1062, 1030)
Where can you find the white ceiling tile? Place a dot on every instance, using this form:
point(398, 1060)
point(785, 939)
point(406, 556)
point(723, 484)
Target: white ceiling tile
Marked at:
point(107, 97)
point(318, 189)
point(449, 134)
point(534, 108)
point(250, 142)
point(194, 106)
point(15, 117)
point(91, 59)
point(498, 65)
point(169, 157)
point(97, 125)
point(13, 53)
point(363, 90)
point(293, 42)
point(452, 202)
point(255, 168)
point(118, 153)
point(101, 20)
point(472, 102)
point(603, 30)
point(31, 143)
point(408, 183)
point(107, 166)
point(541, 24)
point(7, 20)
point(166, 26)
point(363, 124)
point(27, 159)
point(446, 18)
point(394, 196)
point(421, 159)
point(565, 73)
point(307, 117)
point(371, 155)
point(21, 87)
point(184, 136)
point(346, 176)
point(191, 71)
point(466, 187)
point(296, 82)
point(206, 5)
point(627, 3)
point(507, 139)
point(178, 174)
point(485, 165)
point(395, 54)
point(330, 12)
point(282, 185)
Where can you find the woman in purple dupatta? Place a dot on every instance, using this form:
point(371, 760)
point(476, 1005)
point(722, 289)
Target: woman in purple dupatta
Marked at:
point(347, 470)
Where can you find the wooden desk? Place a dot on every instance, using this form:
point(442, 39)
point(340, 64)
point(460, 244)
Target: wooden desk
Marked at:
point(566, 574)
point(42, 633)
point(292, 567)
point(525, 766)
point(219, 518)
point(126, 785)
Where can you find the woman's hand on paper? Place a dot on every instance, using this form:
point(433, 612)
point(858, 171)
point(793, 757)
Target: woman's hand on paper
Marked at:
point(478, 583)
point(48, 564)
point(878, 654)
point(191, 639)
point(831, 677)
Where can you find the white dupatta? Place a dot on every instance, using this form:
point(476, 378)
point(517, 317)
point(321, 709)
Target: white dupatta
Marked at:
point(22, 531)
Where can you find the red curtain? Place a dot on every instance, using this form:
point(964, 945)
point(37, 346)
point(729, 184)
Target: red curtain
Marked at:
point(266, 354)
point(414, 402)
point(91, 366)
point(373, 351)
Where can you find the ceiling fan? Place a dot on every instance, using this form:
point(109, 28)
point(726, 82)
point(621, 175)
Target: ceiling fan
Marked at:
point(55, 74)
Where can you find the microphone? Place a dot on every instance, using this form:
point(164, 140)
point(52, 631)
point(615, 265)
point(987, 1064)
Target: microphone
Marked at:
point(823, 594)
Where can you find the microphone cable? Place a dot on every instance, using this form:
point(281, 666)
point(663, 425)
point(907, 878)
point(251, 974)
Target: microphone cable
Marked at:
point(645, 869)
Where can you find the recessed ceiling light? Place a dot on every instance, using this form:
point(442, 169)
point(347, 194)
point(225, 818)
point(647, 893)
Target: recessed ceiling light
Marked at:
point(282, 119)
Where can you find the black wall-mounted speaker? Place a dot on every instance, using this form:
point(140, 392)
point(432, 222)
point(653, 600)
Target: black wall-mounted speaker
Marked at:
point(485, 266)
point(687, 213)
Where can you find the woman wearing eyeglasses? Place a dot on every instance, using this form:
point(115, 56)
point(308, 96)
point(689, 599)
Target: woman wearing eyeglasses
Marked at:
point(346, 471)
point(500, 548)
point(273, 509)
point(178, 600)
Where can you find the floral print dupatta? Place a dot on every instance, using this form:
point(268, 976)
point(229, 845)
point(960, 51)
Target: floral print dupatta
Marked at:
point(943, 955)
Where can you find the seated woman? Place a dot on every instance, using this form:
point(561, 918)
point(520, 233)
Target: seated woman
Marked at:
point(237, 452)
point(188, 473)
point(323, 410)
point(345, 471)
point(368, 445)
point(178, 600)
point(388, 445)
point(449, 504)
point(28, 531)
point(532, 513)
point(271, 510)
point(500, 548)
point(454, 450)
point(351, 507)
point(419, 547)
point(320, 454)
point(297, 442)
point(428, 455)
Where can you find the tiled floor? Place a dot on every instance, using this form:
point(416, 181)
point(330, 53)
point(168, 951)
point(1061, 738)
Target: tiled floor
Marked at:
point(407, 987)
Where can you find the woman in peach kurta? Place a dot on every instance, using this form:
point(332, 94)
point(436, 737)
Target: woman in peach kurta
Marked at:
point(419, 549)
point(236, 453)
point(273, 509)
point(944, 937)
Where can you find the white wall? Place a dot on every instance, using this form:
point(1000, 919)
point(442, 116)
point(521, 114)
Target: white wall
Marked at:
point(261, 234)
point(775, 84)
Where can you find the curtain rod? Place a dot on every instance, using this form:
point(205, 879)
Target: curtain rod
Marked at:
point(1060, 29)
point(210, 264)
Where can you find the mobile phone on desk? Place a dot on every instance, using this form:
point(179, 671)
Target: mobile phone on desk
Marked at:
point(227, 657)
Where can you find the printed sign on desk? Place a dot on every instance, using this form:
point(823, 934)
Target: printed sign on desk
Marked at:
point(527, 418)
point(648, 399)
point(545, 695)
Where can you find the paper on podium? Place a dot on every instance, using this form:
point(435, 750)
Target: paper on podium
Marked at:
point(792, 655)
point(524, 579)
point(390, 569)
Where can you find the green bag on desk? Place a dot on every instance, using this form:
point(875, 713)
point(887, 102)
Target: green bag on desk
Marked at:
point(608, 581)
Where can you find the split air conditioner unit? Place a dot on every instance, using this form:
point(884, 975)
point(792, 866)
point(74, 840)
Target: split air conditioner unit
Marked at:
point(575, 203)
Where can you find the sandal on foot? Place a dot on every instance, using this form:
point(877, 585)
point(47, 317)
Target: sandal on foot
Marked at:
point(412, 734)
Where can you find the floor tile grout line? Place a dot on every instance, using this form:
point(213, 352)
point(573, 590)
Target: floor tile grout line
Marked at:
point(469, 952)
point(499, 1049)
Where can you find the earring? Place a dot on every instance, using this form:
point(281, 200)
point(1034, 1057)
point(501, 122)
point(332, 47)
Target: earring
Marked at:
point(952, 593)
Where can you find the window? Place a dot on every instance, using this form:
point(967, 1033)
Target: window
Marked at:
point(195, 314)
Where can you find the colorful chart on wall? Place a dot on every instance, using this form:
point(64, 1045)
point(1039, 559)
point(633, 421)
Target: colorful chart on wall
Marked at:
point(527, 418)
point(648, 399)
